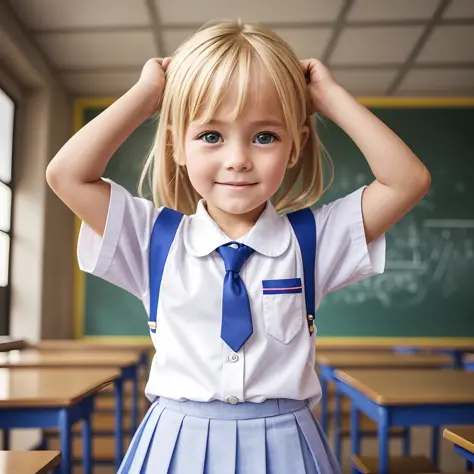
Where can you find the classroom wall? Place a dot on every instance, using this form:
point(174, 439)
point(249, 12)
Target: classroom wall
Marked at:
point(42, 262)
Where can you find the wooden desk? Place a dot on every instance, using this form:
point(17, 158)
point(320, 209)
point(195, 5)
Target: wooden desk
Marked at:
point(144, 348)
point(465, 344)
point(462, 438)
point(407, 398)
point(31, 358)
point(46, 398)
point(75, 344)
point(28, 462)
point(51, 387)
point(329, 362)
point(456, 347)
point(410, 387)
point(127, 361)
point(8, 343)
point(364, 359)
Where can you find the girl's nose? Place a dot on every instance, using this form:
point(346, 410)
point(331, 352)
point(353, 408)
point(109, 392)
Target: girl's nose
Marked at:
point(238, 158)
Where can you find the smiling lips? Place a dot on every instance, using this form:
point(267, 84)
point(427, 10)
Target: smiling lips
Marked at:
point(237, 184)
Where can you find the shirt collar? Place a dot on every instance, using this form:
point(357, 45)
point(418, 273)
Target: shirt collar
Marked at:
point(269, 236)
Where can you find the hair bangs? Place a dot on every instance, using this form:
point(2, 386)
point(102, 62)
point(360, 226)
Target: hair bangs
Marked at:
point(284, 77)
point(230, 71)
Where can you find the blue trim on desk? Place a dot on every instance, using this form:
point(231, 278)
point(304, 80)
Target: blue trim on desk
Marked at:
point(465, 454)
point(327, 375)
point(52, 417)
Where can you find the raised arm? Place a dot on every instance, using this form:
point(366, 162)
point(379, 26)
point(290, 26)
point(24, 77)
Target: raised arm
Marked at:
point(401, 179)
point(74, 173)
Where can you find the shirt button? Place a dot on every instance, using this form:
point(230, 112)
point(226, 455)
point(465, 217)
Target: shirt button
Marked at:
point(233, 357)
point(232, 400)
point(234, 246)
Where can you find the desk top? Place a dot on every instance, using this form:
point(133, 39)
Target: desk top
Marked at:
point(51, 387)
point(362, 359)
point(462, 436)
point(412, 386)
point(8, 343)
point(28, 462)
point(80, 344)
point(384, 343)
point(35, 359)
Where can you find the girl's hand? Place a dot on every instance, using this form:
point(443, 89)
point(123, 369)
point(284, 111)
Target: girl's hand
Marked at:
point(152, 80)
point(320, 84)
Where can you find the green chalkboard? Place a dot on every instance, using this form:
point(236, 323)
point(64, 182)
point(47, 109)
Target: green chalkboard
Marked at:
point(427, 287)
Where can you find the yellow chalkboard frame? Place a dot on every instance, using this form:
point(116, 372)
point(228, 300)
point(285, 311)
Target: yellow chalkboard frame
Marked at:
point(81, 104)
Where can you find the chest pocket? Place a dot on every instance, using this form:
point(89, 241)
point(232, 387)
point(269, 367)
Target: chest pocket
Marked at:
point(283, 308)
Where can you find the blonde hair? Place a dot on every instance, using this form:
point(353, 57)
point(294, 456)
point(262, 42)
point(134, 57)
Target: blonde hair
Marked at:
point(197, 79)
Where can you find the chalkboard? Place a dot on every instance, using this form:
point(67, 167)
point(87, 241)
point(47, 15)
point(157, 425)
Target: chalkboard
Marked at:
point(427, 287)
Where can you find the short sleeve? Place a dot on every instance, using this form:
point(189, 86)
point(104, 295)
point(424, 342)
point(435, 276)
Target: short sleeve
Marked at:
point(120, 256)
point(342, 255)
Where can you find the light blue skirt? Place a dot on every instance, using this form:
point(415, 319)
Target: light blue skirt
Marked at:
point(277, 436)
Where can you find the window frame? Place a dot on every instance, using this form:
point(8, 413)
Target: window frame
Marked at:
point(5, 291)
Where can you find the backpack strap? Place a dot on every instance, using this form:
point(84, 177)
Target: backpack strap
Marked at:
point(162, 236)
point(304, 226)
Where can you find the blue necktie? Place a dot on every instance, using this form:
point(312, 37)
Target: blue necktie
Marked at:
point(236, 317)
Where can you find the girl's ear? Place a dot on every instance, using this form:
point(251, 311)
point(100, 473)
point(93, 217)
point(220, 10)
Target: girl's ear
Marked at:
point(304, 135)
point(178, 159)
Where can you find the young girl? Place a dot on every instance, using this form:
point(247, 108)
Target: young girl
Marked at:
point(231, 286)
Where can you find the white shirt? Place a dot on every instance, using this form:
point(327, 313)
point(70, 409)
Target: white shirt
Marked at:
point(192, 361)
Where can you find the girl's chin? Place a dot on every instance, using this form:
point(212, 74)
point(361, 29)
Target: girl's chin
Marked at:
point(237, 207)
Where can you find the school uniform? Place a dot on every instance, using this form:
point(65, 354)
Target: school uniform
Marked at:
point(218, 409)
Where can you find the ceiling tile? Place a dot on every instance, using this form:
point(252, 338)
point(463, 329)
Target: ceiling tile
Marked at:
point(370, 10)
point(265, 11)
point(100, 83)
point(449, 44)
point(438, 81)
point(89, 50)
point(366, 82)
point(375, 45)
point(460, 9)
point(53, 14)
point(307, 43)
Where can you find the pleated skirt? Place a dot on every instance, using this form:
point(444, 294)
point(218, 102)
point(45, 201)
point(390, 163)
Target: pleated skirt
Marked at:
point(278, 436)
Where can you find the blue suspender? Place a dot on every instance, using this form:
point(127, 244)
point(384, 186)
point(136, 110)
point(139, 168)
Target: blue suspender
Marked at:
point(162, 237)
point(304, 225)
point(164, 232)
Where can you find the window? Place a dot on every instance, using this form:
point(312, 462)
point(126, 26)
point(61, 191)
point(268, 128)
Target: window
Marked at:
point(7, 116)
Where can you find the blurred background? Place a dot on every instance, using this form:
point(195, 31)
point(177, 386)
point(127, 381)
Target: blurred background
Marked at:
point(411, 62)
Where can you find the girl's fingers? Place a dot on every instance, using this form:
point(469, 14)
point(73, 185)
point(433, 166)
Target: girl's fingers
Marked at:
point(308, 67)
point(305, 63)
point(165, 63)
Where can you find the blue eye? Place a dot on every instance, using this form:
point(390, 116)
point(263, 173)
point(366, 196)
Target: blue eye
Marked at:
point(265, 138)
point(210, 137)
